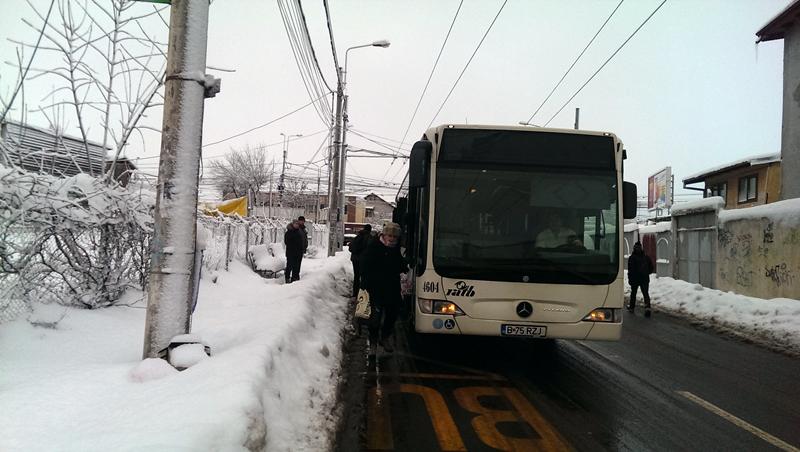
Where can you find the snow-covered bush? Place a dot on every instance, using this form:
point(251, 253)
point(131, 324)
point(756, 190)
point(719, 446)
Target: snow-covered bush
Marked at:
point(75, 241)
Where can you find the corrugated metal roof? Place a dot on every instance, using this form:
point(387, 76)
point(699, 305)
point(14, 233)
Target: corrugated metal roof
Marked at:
point(40, 150)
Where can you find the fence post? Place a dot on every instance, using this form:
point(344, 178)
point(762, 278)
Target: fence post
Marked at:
point(228, 247)
point(247, 242)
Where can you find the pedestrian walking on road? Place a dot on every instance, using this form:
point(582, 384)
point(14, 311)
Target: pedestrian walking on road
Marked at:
point(357, 248)
point(293, 238)
point(381, 266)
point(639, 268)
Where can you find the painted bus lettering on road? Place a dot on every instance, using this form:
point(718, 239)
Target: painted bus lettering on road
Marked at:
point(485, 424)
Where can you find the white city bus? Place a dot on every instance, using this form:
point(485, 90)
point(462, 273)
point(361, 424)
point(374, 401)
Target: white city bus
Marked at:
point(481, 208)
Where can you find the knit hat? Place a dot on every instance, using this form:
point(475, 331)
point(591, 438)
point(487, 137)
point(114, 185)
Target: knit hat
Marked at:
point(391, 228)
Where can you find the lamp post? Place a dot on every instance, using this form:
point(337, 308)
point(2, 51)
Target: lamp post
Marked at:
point(281, 185)
point(343, 154)
point(338, 158)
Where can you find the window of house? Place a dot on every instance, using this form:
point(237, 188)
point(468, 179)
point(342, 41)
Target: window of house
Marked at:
point(748, 188)
point(720, 189)
point(369, 212)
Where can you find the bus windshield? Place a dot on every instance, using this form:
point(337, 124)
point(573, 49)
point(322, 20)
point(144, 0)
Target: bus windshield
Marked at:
point(527, 223)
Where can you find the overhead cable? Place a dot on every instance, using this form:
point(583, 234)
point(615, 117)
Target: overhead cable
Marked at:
point(574, 62)
point(430, 76)
point(468, 62)
point(606, 62)
point(262, 125)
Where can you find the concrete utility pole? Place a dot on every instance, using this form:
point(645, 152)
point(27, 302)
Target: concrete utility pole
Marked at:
point(172, 293)
point(335, 209)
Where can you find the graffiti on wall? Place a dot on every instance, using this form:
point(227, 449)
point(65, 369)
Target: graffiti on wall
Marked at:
point(780, 274)
point(759, 257)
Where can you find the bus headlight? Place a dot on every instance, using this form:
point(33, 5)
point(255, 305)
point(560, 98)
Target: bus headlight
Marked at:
point(600, 315)
point(438, 307)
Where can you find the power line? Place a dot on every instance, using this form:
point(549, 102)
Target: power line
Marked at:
point(468, 62)
point(575, 62)
point(430, 76)
point(606, 62)
point(313, 53)
point(333, 44)
point(299, 50)
point(262, 125)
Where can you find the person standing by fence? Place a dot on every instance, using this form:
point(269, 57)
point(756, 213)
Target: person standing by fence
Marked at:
point(295, 241)
point(357, 248)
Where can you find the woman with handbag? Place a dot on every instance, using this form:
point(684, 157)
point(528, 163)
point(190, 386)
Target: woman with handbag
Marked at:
point(381, 267)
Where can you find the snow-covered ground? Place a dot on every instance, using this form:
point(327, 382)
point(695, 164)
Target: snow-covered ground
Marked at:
point(773, 323)
point(73, 380)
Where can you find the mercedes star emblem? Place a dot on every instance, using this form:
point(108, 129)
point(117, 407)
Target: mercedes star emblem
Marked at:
point(524, 309)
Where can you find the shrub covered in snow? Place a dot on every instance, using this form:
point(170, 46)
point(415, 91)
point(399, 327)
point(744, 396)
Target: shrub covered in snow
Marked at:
point(75, 241)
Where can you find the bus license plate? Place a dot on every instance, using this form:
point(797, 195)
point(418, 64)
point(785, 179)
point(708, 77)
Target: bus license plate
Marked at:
point(523, 330)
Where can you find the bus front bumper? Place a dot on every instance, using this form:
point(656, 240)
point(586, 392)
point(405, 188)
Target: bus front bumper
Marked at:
point(441, 324)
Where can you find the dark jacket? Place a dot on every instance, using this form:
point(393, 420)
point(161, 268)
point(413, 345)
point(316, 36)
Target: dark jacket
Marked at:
point(359, 245)
point(639, 267)
point(305, 237)
point(293, 239)
point(381, 268)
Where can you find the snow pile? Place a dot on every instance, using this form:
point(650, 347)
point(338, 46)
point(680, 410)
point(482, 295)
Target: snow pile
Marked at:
point(266, 257)
point(786, 212)
point(79, 384)
point(664, 226)
point(714, 203)
point(774, 323)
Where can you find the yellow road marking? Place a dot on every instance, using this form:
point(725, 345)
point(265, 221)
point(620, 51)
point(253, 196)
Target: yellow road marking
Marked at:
point(485, 424)
point(777, 442)
point(379, 429)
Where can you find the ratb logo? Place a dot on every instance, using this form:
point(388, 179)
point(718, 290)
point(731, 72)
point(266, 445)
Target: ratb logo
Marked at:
point(461, 290)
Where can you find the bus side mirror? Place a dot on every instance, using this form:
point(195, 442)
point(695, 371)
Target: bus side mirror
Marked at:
point(419, 164)
point(628, 200)
point(399, 213)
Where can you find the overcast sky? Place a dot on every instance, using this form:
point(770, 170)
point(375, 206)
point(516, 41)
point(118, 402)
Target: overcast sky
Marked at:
point(691, 90)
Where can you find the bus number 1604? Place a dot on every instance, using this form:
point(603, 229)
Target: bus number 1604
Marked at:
point(430, 286)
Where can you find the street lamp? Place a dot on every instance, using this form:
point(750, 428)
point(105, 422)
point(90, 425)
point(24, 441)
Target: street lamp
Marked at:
point(281, 186)
point(339, 158)
point(383, 43)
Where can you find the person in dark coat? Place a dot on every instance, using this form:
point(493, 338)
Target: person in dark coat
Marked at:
point(302, 221)
point(357, 248)
point(381, 266)
point(294, 241)
point(639, 268)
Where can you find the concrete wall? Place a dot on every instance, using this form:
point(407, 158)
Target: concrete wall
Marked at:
point(759, 257)
point(790, 136)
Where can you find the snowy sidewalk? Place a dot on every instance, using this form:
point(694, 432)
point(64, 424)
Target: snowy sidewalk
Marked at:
point(772, 323)
point(270, 383)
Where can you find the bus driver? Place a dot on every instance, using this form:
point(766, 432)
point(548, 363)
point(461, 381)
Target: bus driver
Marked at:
point(556, 235)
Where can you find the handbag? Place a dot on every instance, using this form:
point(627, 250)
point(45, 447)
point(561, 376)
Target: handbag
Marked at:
point(363, 308)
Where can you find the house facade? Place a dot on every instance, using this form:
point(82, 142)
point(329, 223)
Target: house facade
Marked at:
point(786, 26)
point(745, 183)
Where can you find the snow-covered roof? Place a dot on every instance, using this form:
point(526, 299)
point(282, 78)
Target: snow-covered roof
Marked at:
point(760, 159)
point(630, 227)
point(776, 28)
point(664, 226)
point(786, 213)
point(700, 205)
